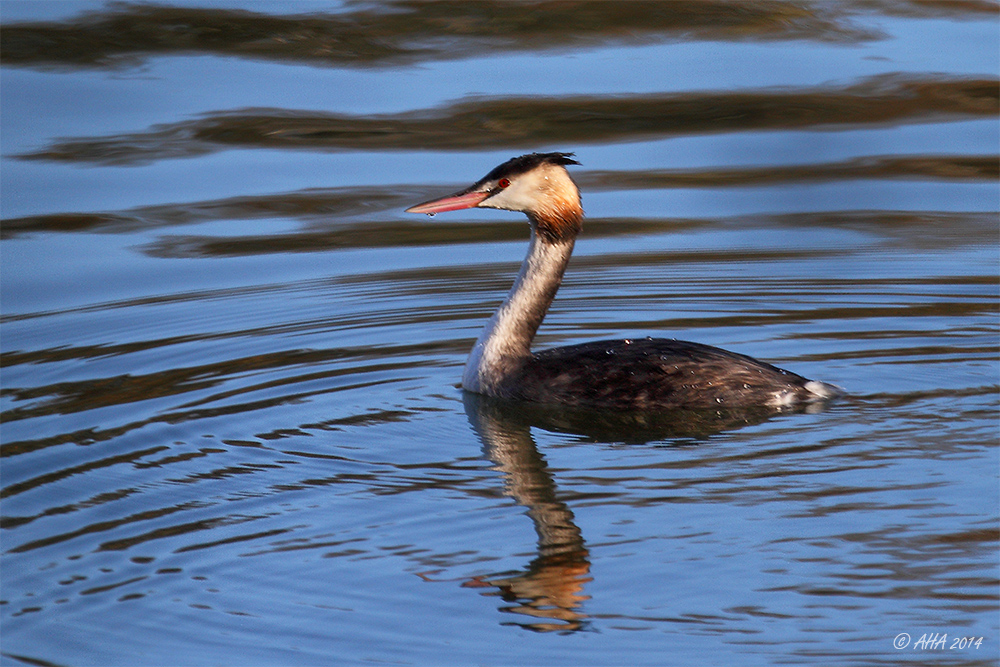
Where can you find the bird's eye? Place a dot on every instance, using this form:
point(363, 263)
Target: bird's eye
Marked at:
point(503, 183)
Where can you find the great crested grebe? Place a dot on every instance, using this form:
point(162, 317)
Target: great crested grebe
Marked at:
point(623, 374)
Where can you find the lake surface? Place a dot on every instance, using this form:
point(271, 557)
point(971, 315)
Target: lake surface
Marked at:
point(232, 431)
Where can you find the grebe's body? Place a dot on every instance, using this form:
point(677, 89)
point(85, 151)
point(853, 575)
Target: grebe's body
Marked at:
point(630, 374)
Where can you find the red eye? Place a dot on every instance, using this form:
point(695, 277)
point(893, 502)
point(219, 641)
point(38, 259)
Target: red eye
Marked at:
point(503, 182)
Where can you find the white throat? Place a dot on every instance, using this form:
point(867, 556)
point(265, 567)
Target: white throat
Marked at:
point(505, 342)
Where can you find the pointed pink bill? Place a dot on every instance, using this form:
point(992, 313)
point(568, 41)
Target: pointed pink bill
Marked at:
point(449, 203)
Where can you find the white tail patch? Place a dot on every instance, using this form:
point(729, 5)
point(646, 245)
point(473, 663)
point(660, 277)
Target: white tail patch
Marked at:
point(818, 392)
point(821, 390)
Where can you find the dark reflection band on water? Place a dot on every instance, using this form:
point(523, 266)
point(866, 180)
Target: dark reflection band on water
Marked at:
point(409, 31)
point(530, 122)
point(937, 229)
point(319, 210)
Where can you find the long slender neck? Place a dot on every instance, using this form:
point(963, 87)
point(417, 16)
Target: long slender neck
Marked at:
point(505, 342)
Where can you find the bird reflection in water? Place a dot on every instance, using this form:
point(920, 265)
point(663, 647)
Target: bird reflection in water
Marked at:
point(551, 589)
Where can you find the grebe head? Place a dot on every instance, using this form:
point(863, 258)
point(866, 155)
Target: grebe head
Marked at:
point(536, 184)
